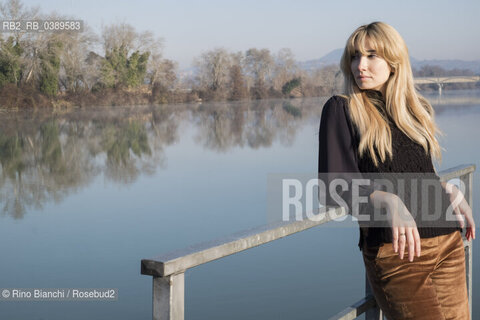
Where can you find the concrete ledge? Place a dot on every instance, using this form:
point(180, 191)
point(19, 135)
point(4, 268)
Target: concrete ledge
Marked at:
point(181, 260)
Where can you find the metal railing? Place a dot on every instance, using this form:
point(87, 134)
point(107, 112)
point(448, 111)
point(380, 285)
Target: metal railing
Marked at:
point(168, 270)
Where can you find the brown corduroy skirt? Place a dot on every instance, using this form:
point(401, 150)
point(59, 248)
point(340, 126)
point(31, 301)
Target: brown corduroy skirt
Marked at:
point(433, 286)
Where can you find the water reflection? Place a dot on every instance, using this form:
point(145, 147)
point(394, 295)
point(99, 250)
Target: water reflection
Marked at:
point(47, 155)
point(466, 99)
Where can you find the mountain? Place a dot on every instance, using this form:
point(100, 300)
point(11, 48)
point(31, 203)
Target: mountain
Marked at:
point(330, 58)
point(334, 57)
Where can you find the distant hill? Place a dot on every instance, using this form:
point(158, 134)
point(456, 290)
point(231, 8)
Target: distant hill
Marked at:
point(334, 57)
point(330, 58)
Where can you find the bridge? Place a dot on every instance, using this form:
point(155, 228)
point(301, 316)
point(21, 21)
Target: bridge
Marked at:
point(440, 81)
point(168, 270)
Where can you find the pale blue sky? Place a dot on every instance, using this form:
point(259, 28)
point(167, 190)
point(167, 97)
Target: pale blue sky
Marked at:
point(437, 29)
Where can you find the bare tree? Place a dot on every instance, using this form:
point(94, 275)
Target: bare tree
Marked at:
point(285, 68)
point(324, 81)
point(125, 36)
point(162, 71)
point(14, 10)
point(213, 71)
point(259, 65)
point(77, 71)
point(92, 75)
point(163, 79)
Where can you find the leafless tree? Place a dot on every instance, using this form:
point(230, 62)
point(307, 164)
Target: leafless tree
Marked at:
point(285, 68)
point(259, 65)
point(14, 10)
point(323, 81)
point(77, 70)
point(124, 35)
point(213, 71)
point(162, 71)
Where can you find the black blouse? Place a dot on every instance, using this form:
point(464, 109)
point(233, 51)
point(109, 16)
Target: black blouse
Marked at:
point(338, 155)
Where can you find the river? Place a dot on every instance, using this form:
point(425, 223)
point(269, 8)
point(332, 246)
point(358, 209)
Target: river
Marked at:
point(85, 194)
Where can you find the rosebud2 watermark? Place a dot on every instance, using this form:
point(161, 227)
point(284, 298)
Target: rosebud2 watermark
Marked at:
point(298, 197)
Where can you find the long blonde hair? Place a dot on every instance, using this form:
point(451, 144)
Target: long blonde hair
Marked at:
point(411, 112)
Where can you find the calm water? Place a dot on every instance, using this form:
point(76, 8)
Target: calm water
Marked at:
point(86, 194)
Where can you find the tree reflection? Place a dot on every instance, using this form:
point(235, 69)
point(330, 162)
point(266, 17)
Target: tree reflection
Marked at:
point(11, 149)
point(122, 145)
point(51, 149)
point(46, 155)
point(257, 124)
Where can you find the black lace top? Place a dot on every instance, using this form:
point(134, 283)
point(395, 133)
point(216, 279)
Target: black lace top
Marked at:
point(338, 153)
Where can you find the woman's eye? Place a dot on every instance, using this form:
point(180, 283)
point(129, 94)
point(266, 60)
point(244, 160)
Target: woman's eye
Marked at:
point(372, 55)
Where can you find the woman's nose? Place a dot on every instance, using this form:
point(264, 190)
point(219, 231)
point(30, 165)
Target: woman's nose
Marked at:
point(362, 63)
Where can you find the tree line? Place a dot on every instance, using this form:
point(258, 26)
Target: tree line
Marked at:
point(123, 66)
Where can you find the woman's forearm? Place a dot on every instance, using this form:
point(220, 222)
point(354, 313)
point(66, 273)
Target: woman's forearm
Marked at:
point(381, 199)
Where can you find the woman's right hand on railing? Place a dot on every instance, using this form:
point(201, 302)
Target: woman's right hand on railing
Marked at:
point(462, 209)
point(404, 228)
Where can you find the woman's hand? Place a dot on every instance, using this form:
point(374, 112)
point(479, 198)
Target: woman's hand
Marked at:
point(461, 208)
point(404, 228)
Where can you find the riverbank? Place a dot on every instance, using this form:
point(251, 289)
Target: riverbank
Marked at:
point(26, 97)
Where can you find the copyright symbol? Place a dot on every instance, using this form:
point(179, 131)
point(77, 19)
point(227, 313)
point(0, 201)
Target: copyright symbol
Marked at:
point(5, 293)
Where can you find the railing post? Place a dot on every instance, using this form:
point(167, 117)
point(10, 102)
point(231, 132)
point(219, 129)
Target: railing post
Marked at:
point(169, 297)
point(467, 181)
point(374, 313)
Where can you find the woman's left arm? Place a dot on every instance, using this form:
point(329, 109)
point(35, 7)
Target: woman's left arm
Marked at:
point(461, 208)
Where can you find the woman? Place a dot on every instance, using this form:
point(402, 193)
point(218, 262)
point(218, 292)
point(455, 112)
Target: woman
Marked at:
point(382, 125)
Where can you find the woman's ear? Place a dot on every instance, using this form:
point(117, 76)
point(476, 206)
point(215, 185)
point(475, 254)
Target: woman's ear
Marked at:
point(392, 69)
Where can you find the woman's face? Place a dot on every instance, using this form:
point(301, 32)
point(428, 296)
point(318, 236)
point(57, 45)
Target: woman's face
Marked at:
point(370, 71)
